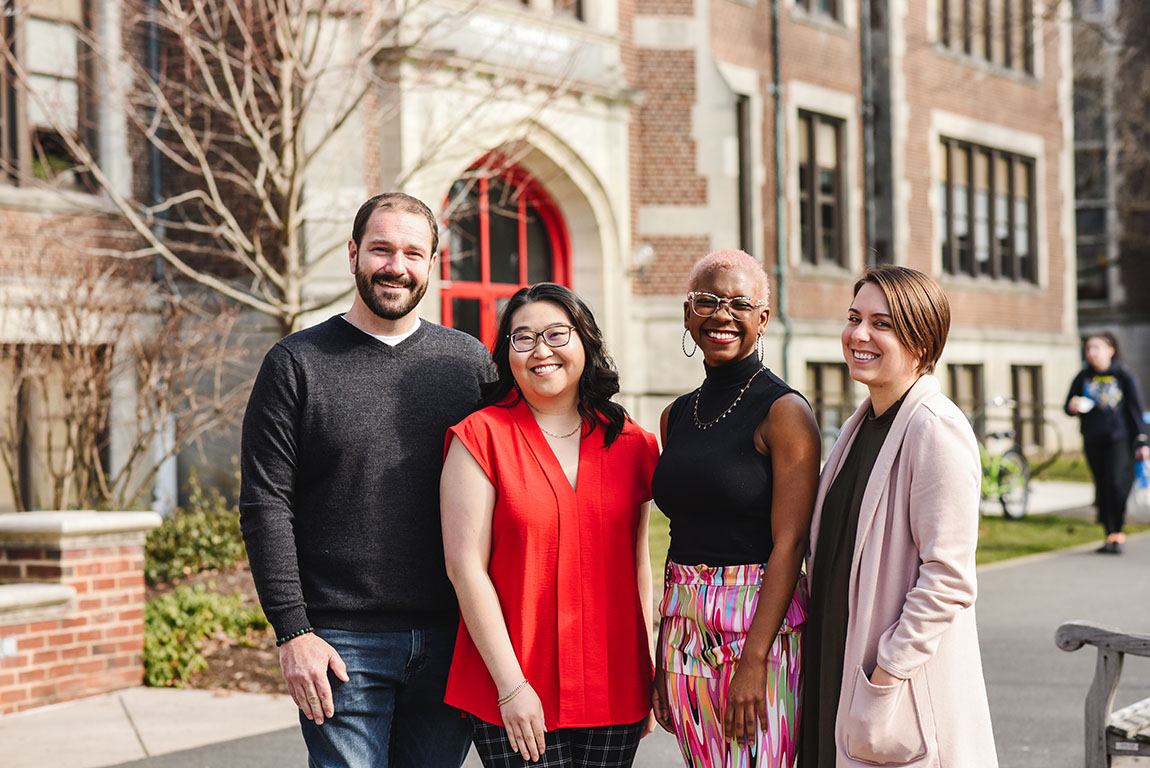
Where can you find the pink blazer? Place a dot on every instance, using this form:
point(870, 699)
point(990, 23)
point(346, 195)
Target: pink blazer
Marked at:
point(912, 590)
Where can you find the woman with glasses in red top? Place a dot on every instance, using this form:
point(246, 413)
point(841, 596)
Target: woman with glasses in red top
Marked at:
point(544, 501)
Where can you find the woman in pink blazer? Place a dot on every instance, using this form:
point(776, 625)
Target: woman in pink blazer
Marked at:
point(892, 666)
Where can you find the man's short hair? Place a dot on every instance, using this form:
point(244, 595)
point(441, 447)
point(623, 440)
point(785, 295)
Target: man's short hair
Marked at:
point(395, 201)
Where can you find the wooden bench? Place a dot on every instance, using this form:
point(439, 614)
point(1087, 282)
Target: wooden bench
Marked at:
point(1127, 731)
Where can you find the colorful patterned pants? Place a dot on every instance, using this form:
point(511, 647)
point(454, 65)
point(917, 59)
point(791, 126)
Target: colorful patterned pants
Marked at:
point(706, 614)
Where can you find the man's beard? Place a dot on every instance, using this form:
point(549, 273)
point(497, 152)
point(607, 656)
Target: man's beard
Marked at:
point(388, 309)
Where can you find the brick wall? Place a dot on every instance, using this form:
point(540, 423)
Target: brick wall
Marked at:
point(88, 638)
point(45, 239)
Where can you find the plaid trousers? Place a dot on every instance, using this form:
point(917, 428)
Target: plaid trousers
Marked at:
point(607, 746)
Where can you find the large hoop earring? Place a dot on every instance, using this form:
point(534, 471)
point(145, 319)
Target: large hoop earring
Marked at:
point(760, 347)
point(683, 344)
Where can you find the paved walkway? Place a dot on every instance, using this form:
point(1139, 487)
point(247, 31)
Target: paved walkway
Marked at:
point(1036, 691)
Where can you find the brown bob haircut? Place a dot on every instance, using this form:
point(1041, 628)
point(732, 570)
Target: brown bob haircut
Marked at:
point(920, 311)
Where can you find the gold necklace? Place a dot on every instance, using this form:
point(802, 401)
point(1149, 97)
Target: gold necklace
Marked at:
point(731, 407)
point(545, 431)
point(560, 437)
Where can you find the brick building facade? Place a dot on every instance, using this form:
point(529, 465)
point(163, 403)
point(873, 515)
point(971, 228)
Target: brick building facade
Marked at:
point(924, 134)
point(608, 144)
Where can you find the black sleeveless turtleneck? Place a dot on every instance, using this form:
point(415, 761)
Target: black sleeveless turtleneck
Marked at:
point(712, 483)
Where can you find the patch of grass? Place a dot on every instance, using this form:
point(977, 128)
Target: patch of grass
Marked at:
point(1070, 468)
point(1003, 539)
point(659, 540)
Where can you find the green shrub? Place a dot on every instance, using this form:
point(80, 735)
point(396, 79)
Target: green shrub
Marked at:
point(176, 625)
point(202, 536)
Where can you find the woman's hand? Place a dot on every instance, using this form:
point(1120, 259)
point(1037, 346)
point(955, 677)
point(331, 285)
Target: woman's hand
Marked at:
point(648, 725)
point(660, 702)
point(1143, 453)
point(523, 719)
point(746, 702)
point(881, 677)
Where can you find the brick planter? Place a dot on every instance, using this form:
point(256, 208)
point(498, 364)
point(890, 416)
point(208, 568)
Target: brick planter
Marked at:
point(71, 605)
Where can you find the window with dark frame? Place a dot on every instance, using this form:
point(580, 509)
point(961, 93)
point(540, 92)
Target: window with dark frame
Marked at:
point(34, 380)
point(987, 212)
point(967, 390)
point(998, 31)
point(821, 198)
point(46, 40)
point(1091, 189)
point(829, 8)
point(504, 233)
point(832, 398)
point(1028, 414)
point(569, 8)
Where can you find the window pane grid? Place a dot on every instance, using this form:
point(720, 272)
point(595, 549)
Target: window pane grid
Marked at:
point(1028, 415)
point(828, 8)
point(46, 39)
point(966, 390)
point(821, 189)
point(832, 398)
point(503, 234)
point(997, 31)
point(987, 212)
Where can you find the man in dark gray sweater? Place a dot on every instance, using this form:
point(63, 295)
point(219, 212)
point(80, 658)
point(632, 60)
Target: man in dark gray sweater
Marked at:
point(339, 503)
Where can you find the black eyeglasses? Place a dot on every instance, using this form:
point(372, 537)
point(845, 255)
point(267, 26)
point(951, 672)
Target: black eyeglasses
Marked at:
point(706, 304)
point(553, 336)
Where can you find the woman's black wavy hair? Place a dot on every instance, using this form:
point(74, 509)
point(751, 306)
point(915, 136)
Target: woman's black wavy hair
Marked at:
point(599, 382)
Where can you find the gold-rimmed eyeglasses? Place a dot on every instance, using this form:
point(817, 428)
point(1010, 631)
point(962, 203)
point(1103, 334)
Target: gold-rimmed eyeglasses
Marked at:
point(706, 304)
point(553, 336)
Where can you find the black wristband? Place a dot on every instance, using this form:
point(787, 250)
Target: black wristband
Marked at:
point(292, 635)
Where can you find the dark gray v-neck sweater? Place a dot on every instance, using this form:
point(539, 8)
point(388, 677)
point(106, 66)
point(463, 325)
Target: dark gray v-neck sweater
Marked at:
point(341, 454)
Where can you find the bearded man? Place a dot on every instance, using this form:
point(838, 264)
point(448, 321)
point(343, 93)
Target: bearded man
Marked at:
point(339, 503)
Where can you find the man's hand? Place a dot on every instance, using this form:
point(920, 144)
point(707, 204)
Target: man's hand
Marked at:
point(304, 661)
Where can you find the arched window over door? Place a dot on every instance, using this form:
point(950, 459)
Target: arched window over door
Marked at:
point(504, 233)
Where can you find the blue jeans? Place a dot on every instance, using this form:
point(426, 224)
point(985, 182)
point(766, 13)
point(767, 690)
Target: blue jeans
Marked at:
point(391, 710)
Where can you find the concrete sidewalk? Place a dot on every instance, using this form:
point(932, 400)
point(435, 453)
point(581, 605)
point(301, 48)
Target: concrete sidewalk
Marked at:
point(138, 723)
point(1054, 497)
point(1036, 691)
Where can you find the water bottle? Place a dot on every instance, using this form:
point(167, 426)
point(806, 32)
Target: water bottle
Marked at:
point(1142, 484)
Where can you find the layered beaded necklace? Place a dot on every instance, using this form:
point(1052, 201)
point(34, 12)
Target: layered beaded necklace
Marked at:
point(731, 407)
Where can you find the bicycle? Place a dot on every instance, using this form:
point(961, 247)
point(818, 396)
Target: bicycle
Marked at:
point(1006, 473)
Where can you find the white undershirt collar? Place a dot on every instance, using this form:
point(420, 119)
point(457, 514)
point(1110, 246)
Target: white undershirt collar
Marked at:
point(391, 341)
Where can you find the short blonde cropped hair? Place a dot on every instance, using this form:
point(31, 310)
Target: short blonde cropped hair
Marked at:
point(733, 260)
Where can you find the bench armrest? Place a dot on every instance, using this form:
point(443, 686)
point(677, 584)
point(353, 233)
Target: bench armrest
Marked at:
point(1072, 635)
